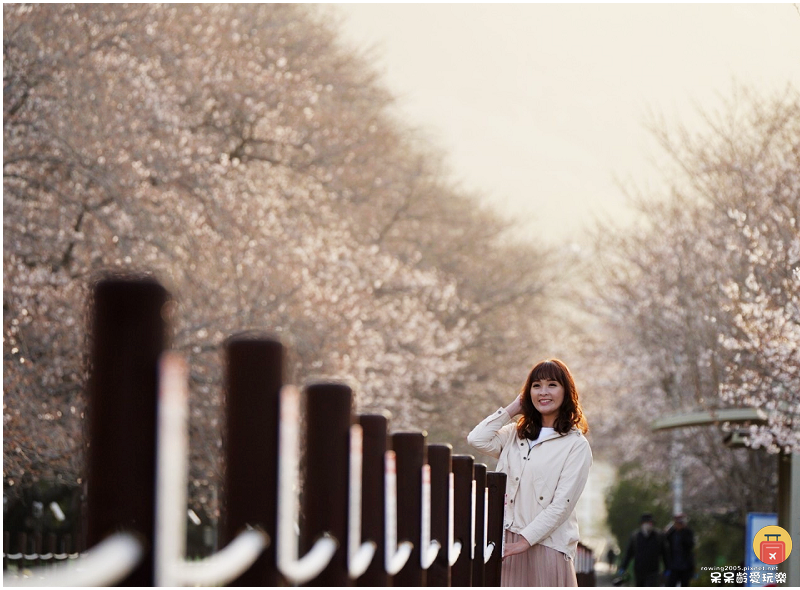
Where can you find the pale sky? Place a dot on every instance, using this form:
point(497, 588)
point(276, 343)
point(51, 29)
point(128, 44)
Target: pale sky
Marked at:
point(542, 107)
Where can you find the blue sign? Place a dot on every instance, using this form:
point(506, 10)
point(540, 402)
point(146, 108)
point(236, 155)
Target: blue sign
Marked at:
point(755, 522)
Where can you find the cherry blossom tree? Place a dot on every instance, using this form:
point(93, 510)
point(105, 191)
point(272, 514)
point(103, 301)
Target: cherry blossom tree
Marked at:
point(700, 303)
point(250, 162)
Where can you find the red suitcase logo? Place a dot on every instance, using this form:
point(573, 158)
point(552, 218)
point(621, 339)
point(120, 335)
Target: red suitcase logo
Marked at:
point(772, 552)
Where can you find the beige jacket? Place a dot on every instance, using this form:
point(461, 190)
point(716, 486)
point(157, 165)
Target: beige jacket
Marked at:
point(544, 483)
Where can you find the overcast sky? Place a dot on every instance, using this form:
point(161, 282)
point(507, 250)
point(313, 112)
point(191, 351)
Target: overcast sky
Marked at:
point(542, 107)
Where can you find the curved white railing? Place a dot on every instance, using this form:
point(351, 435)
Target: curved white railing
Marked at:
point(395, 557)
point(227, 564)
point(359, 556)
point(487, 547)
point(296, 571)
point(453, 546)
point(428, 549)
point(172, 470)
point(105, 564)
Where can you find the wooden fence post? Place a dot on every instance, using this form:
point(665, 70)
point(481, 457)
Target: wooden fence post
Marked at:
point(22, 550)
point(325, 491)
point(410, 450)
point(51, 547)
point(373, 497)
point(478, 567)
point(254, 377)
point(128, 337)
point(38, 546)
point(496, 484)
point(461, 571)
point(68, 546)
point(440, 460)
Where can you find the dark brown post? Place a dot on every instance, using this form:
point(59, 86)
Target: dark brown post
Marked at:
point(38, 546)
point(410, 450)
point(79, 528)
point(478, 575)
point(496, 484)
point(461, 571)
point(439, 458)
point(128, 337)
point(373, 496)
point(254, 377)
point(67, 545)
point(6, 548)
point(325, 492)
point(22, 544)
point(50, 547)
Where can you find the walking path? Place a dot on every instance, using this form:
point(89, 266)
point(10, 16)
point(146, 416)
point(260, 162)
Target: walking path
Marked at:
point(604, 574)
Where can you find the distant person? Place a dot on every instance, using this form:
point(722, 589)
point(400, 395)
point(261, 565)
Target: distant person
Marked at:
point(680, 552)
point(546, 458)
point(647, 549)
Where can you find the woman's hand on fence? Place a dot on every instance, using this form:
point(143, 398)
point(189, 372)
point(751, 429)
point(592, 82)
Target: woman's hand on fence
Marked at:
point(516, 548)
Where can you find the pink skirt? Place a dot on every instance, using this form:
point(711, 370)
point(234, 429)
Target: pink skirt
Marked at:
point(538, 566)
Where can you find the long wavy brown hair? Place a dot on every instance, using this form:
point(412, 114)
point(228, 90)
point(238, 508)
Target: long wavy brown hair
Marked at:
point(569, 414)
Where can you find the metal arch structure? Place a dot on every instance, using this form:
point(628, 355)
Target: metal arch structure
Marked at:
point(709, 417)
point(788, 469)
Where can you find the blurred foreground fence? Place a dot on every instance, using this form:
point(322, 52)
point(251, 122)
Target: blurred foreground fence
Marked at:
point(377, 509)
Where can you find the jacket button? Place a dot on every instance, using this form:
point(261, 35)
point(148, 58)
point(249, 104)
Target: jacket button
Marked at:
point(516, 478)
point(541, 497)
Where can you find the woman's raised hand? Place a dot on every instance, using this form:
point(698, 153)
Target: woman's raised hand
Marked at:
point(515, 407)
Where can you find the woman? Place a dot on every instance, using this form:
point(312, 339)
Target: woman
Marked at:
point(546, 458)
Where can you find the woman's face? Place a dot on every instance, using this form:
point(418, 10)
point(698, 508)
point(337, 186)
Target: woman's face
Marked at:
point(547, 397)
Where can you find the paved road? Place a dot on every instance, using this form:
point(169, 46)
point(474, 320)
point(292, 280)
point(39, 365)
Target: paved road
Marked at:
point(604, 579)
point(604, 574)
